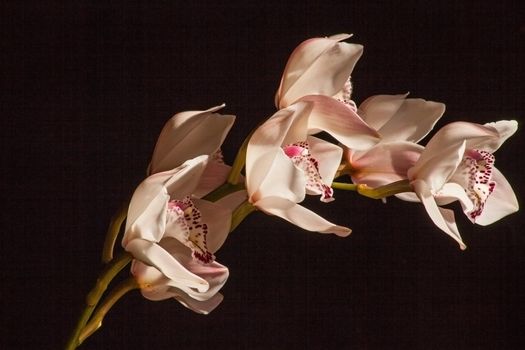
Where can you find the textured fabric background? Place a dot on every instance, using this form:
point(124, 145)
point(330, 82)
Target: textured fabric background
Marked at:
point(85, 91)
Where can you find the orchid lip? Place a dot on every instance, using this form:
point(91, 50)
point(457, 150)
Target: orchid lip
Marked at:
point(190, 230)
point(300, 155)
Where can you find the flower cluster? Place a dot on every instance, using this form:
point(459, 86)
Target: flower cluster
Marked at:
point(182, 213)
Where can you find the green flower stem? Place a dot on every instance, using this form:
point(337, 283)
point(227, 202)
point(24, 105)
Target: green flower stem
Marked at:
point(378, 192)
point(96, 321)
point(93, 297)
point(239, 162)
point(344, 186)
point(113, 231)
point(239, 214)
point(222, 191)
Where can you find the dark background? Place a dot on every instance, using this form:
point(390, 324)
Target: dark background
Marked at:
point(85, 91)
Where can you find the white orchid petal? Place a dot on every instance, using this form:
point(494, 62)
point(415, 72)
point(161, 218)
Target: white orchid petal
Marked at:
point(147, 213)
point(198, 306)
point(183, 182)
point(377, 110)
point(451, 192)
point(283, 179)
point(317, 66)
point(412, 121)
point(475, 136)
point(147, 209)
point(442, 218)
point(266, 142)
point(505, 129)
point(187, 135)
point(155, 287)
point(436, 166)
point(500, 203)
point(299, 216)
point(341, 122)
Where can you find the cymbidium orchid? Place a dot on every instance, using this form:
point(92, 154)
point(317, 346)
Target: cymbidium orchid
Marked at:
point(172, 236)
point(318, 66)
point(284, 162)
point(458, 164)
point(401, 123)
point(181, 214)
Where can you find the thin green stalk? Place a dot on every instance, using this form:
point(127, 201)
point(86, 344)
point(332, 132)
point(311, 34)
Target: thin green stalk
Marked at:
point(240, 161)
point(344, 186)
point(96, 321)
point(385, 191)
point(239, 214)
point(222, 191)
point(93, 297)
point(378, 192)
point(113, 231)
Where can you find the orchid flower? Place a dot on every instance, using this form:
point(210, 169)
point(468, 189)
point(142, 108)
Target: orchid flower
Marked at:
point(458, 164)
point(188, 135)
point(318, 66)
point(172, 237)
point(284, 162)
point(401, 123)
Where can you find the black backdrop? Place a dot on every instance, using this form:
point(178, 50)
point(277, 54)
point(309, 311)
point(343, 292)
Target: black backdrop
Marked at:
point(87, 87)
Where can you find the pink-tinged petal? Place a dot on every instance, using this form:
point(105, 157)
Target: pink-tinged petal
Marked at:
point(198, 306)
point(154, 287)
point(384, 163)
point(218, 220)
point(436, 166)
point(412, 121)
point(299, 216)
point(213, 176)
point(317, 66)
point(187, 135)
point(341, 122)
point(214, 273)
point(265, 143)
point(328, 156)
point(156, 256)
point(451, 192)
point(442, 218)
point(501, 202)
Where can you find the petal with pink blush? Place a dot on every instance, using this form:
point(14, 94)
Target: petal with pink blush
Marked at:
point(384, 163)
point(341, 122)
point(154, 255)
